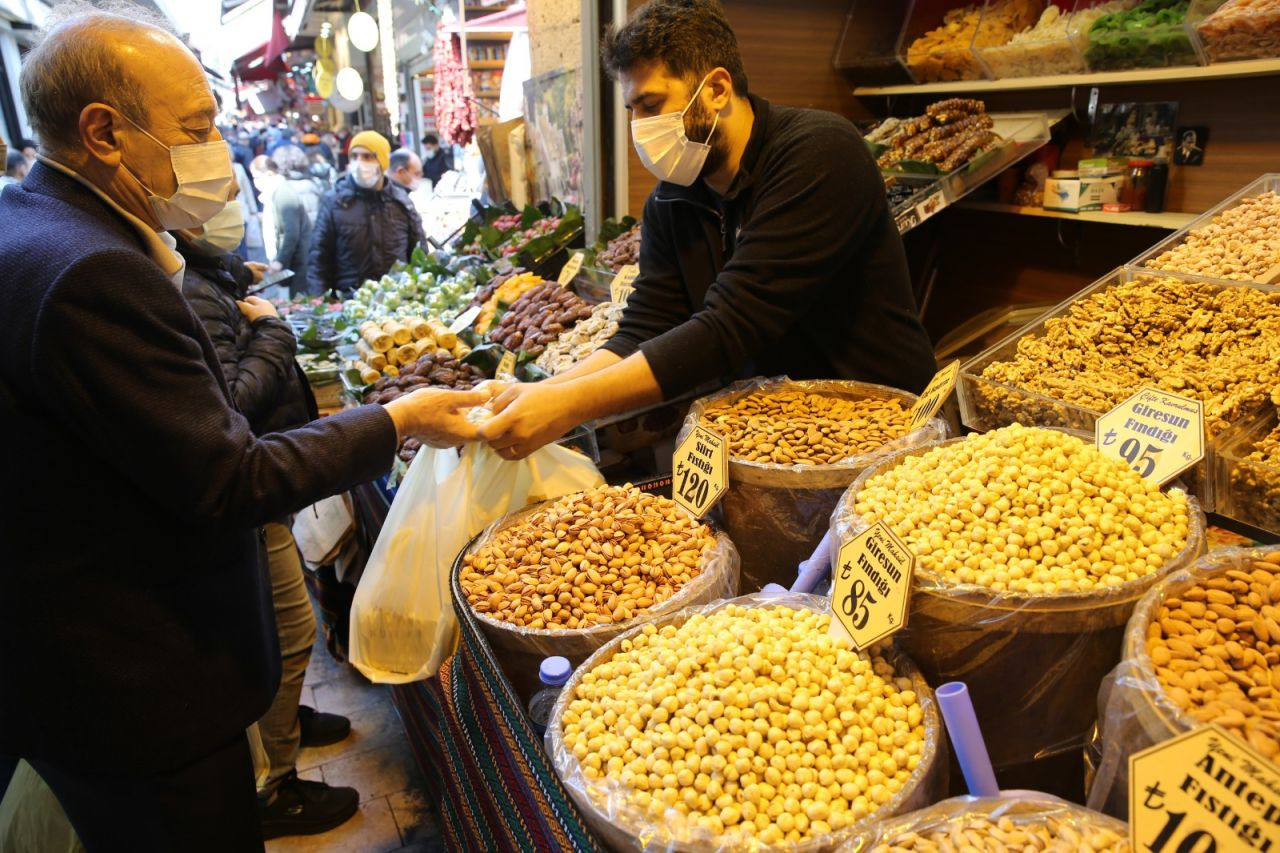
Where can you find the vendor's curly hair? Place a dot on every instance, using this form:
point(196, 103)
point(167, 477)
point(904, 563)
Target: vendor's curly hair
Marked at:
point(691, 37)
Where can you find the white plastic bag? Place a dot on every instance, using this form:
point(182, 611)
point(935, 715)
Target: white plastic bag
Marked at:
point(402, 622)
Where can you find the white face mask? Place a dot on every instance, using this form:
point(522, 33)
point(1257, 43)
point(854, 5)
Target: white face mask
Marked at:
point(665, 149)
point(431, 153)
point(365, 174)
point(203, 174)
point(225, 231)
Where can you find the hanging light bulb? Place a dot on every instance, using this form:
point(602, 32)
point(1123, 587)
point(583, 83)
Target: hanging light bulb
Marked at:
point(362, 30)
point(350, 84)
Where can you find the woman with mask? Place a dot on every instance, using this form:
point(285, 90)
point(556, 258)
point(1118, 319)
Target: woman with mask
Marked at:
point(256, 348)
point(366, 224)
point(295, 206)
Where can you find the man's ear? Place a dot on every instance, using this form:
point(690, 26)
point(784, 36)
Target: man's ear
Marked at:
point(720, 85)
point(99, 128)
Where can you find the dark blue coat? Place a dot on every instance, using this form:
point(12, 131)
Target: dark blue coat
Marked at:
point(136, 627)
point(360, 234)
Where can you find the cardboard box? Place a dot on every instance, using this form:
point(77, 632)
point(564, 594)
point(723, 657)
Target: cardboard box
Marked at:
point(1095, 192)
point(1062, 194)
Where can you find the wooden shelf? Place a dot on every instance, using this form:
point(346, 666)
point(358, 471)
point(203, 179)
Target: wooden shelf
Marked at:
point(487, 65)
point(1184, 73)
point(1169, 220)
point(486, 35)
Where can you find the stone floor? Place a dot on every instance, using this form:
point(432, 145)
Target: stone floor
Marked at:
point(375, 760)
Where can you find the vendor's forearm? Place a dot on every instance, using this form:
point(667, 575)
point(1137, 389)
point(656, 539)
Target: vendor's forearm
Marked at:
point(620, 387)
point(598, 360)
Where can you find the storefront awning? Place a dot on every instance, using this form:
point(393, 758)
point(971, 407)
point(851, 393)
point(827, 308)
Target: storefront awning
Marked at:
point(265, 62)
point(515, 18)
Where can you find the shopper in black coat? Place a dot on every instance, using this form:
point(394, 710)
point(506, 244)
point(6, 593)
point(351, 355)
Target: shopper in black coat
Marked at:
point(361, 232)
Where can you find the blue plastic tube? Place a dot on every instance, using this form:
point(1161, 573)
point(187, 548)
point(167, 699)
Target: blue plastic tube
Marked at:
point(966, 739)
point(813, 570)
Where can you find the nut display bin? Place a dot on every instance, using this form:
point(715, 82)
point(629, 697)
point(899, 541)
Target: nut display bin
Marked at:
point(1003, 59)
point(1227, 33)
point(939, 64)
point(1156, 45)
point(1269, 182)
point(868, 47)
point(986, 404)
point(1247, 489)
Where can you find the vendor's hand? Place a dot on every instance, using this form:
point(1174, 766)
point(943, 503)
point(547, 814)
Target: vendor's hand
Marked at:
point(529, 417)
point(495, 389)
point(255, 308)
point(258, 270)
point(437, 416)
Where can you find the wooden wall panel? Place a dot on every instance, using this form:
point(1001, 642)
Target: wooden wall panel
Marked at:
point(786, 48)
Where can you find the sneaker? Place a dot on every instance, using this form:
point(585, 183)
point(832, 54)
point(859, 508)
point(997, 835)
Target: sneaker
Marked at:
point(299, 807)
point(321, 729)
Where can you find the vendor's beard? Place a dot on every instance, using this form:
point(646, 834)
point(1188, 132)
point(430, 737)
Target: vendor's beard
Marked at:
point(698, 125)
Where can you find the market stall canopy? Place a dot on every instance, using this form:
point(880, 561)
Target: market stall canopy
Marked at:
point(508, 20)
point(265, 62)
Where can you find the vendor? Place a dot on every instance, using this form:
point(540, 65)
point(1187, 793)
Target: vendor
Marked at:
point(768, 246)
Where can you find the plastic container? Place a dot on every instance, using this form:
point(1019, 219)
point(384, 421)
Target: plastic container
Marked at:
point(1134, 710)
point(592, 284)
point(553, 672)
point(868, 47)
point(986, 403)
point(623, 826)
point(937, 40)
point(1157, 186)
point(524, 648)
point(1032, 663)
point(1269, 182)
point(1043, 48)
point(1235, 30)
point(1152, 34)
point(777, 514)
point(1028, 810)
point(1247, 489)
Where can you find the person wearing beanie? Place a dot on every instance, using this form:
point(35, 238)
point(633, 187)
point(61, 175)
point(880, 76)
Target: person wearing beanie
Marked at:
point(366, 222)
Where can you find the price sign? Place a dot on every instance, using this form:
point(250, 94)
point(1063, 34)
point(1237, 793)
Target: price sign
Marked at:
point(1159, 434)
point(1203, 792)
point(506, 368)
point(871, 585)
point(621, 286)
point(700, 471)
point(570, 269)
point(931, 205)
point(935, 394)
point(465, 319)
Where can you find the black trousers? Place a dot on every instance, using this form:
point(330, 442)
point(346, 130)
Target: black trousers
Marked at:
point(209, 805)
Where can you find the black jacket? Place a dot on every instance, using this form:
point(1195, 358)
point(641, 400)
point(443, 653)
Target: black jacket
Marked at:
point(433, 168)
point(136, 626)
point(799, 270)
point(360, 233)
point(267, 385)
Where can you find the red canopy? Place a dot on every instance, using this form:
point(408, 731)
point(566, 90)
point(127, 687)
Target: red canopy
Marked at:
point(265, 62)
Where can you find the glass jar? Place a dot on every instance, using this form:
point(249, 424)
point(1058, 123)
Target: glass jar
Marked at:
point(1137, 184)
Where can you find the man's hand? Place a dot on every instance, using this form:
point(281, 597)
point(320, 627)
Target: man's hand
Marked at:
point(275, 266)
point(438, 416)
point(258, 270)
point(529, 417)
point(255, 308)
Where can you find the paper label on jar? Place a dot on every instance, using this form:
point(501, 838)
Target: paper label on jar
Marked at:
point(700, 471)
point(507, 367)
point(935, 394)
point(1202, 791)
point(1158, 434)
point(570, 269)
point(870, 586)
point(621, 286)
point(464, 320)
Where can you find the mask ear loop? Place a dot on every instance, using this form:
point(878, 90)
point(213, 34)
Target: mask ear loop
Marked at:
point(714, 122)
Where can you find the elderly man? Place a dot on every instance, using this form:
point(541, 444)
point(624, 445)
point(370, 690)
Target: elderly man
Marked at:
point(136, 619)
point(406, 169)
point(366, 222)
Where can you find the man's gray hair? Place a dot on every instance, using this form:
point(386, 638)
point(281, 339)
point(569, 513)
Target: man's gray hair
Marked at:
point(291, 158)
point(69, 68)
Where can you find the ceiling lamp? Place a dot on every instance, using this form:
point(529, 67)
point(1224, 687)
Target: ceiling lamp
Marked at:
point(362, 30)
point(350, 84)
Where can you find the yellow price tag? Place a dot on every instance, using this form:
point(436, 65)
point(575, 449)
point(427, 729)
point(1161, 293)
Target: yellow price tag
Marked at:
point(870, 586)
point(1203, 791)
point(506, 368)
point(700, 471)
point(1159, 434)
point(621, 286)
point(935, 394)
point(570, 269)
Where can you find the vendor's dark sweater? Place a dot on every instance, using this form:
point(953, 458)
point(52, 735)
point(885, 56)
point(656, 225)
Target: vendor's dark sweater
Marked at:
point(799, 270)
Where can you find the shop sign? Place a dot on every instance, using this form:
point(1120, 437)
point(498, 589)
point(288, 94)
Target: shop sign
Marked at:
point(1201, 792)
point(700, 471)
point(871, 585)
point(621, 286)
point(465, 319)
point(935, 394)
point(1159, 434)
point(506, 368)
point(906, 221)
point(570, 269)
